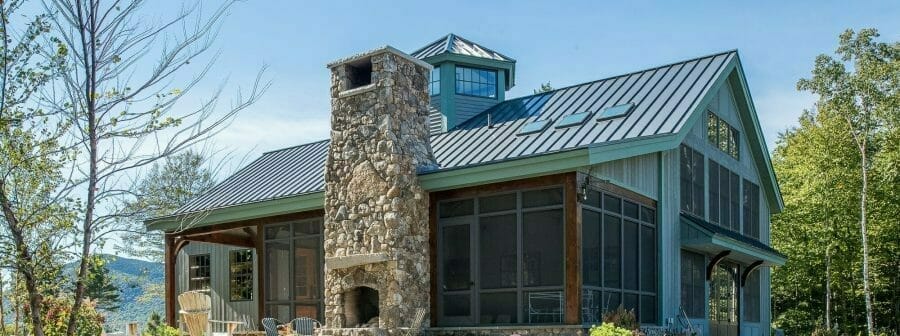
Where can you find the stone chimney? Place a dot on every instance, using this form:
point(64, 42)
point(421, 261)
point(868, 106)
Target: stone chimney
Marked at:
point(376, 213)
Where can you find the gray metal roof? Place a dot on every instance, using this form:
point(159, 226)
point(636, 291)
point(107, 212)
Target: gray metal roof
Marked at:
point(282, 173)
point(663, 98)
point(457, 45)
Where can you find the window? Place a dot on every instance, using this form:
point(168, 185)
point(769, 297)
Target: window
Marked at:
point(619, 256)
point(724, 203)
point(434, 85)
point(476, 82)
point(751, 297)
point(723, 136)
point(293, 267)
point(692, 181)
point(240, 265)
point(573, 119)
point(199, 273)
point(751, 209)
point(534, 127)
point(516, 240)
point(615, 111)
point(693, 284)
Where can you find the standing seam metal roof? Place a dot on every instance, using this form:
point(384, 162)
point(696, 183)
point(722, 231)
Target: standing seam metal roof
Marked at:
point(457, 45)
point(663, 97)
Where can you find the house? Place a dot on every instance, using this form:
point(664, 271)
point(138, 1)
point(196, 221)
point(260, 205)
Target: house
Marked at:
point(651, 190)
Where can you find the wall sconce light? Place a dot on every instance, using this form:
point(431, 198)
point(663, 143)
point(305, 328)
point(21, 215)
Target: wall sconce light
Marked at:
point(582, 191)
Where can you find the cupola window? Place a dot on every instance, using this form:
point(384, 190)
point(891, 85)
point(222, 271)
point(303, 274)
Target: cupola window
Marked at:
point(476, 82)
point(434, 85)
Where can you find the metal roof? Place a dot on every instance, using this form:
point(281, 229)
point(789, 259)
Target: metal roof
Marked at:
point(282, 173)
point(457, 45)
point(663, 99)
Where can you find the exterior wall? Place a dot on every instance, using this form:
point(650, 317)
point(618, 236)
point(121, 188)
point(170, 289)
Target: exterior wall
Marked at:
point(639, 174)
point(469, 106)
point(725, 107)
point(459, 108)
point(222, 308)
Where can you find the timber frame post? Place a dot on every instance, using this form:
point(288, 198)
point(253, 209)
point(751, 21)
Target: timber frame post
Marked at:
point(170, 255)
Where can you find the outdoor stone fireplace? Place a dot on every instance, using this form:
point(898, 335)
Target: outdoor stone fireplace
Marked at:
point(376, 213)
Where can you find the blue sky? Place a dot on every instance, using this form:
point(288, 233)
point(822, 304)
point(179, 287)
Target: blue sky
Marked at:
point(564, 43)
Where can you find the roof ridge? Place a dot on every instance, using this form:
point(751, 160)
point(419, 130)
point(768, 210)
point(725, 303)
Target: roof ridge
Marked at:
point(473, 118)
point(483, 47)
point(295, 146)
point(445, 37)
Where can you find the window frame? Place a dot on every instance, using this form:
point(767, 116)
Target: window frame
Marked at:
point(434, 82)
point(249, 263)
point(622, 290)
point(292, 241)
point(476, 291)
point(692, 185)
point(716, 128)
point(192, 280)
point(691, 311)
point(457, 80)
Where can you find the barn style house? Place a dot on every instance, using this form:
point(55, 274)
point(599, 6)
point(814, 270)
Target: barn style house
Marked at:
point(650, 190)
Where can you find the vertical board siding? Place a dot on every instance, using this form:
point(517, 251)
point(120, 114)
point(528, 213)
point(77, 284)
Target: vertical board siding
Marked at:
point(639, 174)
point(725, 107)
point(669, 234)
point(469, 106)
point(222, 307)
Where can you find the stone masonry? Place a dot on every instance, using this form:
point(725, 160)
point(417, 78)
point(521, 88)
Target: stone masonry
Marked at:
point(376, 213)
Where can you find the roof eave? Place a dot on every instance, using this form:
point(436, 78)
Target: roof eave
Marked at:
point(246, 211)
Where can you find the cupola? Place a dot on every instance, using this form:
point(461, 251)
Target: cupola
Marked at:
point(467, 79)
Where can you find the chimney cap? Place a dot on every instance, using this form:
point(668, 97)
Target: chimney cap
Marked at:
point(376, 51)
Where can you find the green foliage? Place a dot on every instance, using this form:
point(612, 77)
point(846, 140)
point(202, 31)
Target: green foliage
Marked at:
point(99, 285)
point(545, 87)
point(156, 327)
point(622, 317)
point(819, 165)
point(163, 189)
point(609, 329)
point(55, 314)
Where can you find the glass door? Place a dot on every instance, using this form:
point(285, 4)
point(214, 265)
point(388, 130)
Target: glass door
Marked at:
point(455, 268)
point(723, 302)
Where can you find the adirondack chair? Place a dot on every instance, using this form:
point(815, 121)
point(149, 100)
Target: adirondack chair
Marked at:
point(195, 309)
point(416, 328)
point(271, 326)
point(305, 325)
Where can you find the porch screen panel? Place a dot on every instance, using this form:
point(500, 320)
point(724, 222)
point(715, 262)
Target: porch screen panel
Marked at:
point(517, 241)
point(619, 247)
point(693, 284)
point(293, 269)
point(751, 297)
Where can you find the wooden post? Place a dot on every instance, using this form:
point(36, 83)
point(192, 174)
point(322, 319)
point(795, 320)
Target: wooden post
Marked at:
point(131, 329)
point(170, 257)
point(572, 250)
point(260, 272)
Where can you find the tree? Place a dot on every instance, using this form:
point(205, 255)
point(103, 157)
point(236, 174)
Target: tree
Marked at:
point(99, 286)
point(545, 87)
point(163, 189)
point(862, 87)
point(32, 166)
point(123, 105)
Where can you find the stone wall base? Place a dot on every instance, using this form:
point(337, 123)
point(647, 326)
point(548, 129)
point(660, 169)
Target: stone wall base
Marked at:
point(561, 330)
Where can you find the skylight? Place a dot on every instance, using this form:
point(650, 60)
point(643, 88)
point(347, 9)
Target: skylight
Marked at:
point(615, 111)
point(573, 119)
point(534, 127)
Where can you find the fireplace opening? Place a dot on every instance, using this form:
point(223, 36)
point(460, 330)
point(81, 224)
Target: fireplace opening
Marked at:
point(361, 308)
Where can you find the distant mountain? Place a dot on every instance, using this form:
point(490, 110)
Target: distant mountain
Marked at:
point(135, 278)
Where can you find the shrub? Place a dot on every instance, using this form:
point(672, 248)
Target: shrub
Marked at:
point(55, 313)
point(622, 318)
point(156, 327)
point(608, 329)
